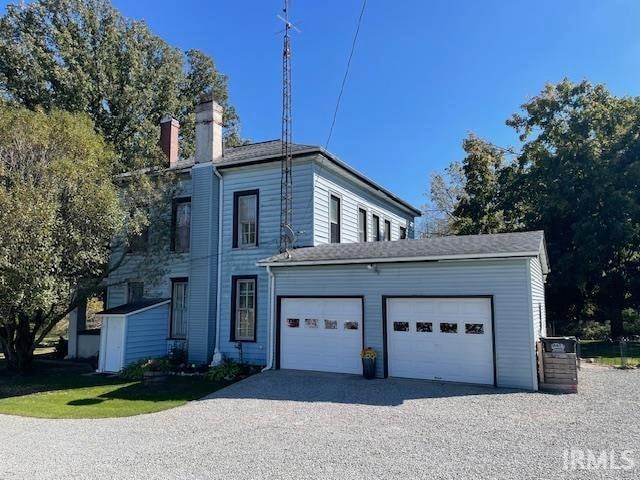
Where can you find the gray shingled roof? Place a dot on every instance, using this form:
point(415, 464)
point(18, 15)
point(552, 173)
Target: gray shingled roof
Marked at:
point(253, 151)
point(463, 246)
point(272, 149)
point(133, 307)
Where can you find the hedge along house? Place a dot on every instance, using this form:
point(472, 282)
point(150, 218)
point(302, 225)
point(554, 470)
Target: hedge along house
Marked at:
point(463, 309)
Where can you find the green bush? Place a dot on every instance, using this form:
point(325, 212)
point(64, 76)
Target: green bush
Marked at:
point(631, 320)
point(592, 330)
point(227, 370)
point(135, 370)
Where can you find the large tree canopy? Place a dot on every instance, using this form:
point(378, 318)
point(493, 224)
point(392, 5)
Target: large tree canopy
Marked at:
point(84, 56)
point(577, 177)
point(60, 211)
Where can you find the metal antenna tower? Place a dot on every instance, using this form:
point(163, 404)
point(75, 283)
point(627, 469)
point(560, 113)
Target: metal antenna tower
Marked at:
point(286, 187)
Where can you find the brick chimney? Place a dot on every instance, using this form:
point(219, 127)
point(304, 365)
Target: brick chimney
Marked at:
point(169, 129)
point(208, 131)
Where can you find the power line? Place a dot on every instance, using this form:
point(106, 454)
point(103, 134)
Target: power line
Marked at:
point(346, 73)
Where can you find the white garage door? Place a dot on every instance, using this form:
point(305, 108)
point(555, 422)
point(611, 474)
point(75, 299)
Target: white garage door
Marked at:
point(440, 339)
point(321, 334)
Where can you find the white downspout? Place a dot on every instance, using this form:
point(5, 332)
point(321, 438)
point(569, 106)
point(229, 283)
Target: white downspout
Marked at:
point(271, 319)
point(217, 355)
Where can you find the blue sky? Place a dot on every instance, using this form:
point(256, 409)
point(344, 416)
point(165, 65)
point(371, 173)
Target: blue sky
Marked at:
point(424, 74)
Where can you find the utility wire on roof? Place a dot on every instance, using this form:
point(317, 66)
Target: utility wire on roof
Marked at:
point(346, 73)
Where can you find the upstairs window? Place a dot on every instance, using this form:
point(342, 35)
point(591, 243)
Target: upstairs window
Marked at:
point(135, 291)
point(403, 233)
point(362, 225)
point(245, 219)
point(375, 225)
point(243, 296)
point(334, 218)
point(181, 225)
point(387, 230)
point(179, 308)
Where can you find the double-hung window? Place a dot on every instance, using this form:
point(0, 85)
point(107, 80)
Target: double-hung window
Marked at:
point(179, 308)
point(362, 225)
point(245, 222)
point(181, 225)
point(387, 230)
point(375, 225)
point(403, 233)
point(334, 218)
point(243, 324)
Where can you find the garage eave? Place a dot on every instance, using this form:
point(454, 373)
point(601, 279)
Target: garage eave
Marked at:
point(436, 258)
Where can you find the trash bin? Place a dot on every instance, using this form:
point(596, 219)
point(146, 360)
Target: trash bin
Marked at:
point(559, 344)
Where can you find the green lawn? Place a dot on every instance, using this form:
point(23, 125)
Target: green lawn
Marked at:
point(68, 392)
point(608, 353)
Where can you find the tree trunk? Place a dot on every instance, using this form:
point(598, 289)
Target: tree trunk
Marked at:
point(617, 325)
point(18, 351)
point(616, 303)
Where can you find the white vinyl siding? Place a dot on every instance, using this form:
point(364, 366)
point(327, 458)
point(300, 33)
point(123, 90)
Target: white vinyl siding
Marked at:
point(537, 299)
point(133, 267)
point(505, 280)
point(330, 181)
point(239, 261)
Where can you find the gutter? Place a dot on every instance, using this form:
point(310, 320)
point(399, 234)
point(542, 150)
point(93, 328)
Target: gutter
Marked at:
point(271, 319)
point(433, 258)
point(217, 355)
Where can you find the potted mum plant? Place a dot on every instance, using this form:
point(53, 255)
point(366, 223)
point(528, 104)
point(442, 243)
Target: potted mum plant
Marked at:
point(368, 356)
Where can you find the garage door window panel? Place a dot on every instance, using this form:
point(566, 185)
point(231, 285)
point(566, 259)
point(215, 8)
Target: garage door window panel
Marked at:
point(331, 324)
point(449, 328)
point(293, 322)
point(311, 322)
point(424, 327)
point(474, 328)
point(400, 326)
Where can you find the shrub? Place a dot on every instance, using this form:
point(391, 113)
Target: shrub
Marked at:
point(592, 330)
point(135, 370)
point(227, 370)
point(178, 355)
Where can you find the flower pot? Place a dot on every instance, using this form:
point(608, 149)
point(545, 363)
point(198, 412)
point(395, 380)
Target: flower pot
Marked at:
point(369, 368)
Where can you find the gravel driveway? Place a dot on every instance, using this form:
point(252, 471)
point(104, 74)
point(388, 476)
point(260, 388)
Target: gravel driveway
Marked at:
point(300, 425)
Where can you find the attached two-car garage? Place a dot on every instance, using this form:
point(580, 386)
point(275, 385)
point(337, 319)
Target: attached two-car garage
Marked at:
point(460, 309)
point(448, 339)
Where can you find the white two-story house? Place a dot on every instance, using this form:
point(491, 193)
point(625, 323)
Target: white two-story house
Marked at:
point(457, 308)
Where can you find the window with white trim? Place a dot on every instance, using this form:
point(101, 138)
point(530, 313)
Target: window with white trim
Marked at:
point(387, 230)
point(135, 291)
point(246, 219)
point(244, 328)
